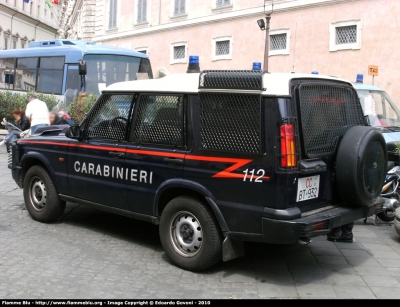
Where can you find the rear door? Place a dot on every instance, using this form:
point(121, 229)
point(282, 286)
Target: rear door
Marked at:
point(96, 164)
point(156, 150)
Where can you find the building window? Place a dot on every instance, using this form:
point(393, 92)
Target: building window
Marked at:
point(144, 50)
point(51, 16)
point(5, 43)
point(345, 35)
point(220, 3)
point(44, 12)
point(178, 52)
point(279, 41)
point(31, 8)
point(38, 11)
point(142, 11)
point(179, 7)
point(222, 48)
point(14, 44)
point(22, 45)
point(112, 17)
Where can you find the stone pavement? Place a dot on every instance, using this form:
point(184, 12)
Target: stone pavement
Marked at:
point(92, 254)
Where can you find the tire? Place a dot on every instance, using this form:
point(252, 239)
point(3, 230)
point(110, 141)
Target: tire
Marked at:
point(41, 197)
point(361, 165)
point(193, 221)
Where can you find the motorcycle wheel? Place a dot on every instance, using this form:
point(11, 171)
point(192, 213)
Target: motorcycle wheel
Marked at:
point(388, 215)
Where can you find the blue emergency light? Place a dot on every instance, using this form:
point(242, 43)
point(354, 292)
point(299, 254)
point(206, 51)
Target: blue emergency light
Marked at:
point(314, 72)
point(359, 78)
point(193, 66)
point(256, 65)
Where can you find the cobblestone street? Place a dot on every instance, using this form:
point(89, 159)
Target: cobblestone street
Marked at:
point(92, 254)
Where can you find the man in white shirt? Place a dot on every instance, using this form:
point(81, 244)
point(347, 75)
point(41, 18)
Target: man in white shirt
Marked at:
point(37, 112)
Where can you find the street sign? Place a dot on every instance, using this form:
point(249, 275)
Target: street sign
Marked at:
point(372, 70)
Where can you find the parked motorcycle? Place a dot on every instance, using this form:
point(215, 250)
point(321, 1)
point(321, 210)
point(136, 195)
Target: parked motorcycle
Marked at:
point(391, 195)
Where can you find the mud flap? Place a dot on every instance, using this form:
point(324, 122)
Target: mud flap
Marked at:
point(232, 249)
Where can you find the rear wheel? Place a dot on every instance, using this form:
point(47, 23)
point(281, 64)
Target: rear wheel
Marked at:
point(189, 234)
point(40, 195)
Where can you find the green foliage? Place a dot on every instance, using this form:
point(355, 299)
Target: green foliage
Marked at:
point(10, 101)
point(397, 149)
point(80, 107)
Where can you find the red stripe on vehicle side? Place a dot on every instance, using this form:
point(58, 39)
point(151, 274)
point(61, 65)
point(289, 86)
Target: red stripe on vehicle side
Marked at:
point(226, 173)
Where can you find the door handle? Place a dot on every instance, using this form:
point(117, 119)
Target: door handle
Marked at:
point(174, 161)
point(117, 154)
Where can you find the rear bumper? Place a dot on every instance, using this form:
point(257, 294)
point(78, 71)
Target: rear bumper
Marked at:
point(314, 223)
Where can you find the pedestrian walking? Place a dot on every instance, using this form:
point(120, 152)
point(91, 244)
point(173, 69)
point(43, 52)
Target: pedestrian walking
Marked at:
point(37, 112)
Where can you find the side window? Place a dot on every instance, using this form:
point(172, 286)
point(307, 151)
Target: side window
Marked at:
point(109, 117)
point(50, 75)
point(160, 120)
point(26, 74)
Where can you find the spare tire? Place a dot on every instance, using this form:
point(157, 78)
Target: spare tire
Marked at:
point(361, 165)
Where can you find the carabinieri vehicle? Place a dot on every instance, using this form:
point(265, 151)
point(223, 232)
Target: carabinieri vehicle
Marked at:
point(214, 159)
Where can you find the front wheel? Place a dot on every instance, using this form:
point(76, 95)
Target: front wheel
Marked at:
point(40, 195)
point(189, 234)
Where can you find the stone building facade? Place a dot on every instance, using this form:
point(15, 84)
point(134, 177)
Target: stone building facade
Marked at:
point(334, 37)
point(21, 23)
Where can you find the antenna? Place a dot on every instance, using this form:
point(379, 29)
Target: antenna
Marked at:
point(294, 51)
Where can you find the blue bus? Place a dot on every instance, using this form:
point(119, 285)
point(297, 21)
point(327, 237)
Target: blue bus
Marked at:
point(52, 67)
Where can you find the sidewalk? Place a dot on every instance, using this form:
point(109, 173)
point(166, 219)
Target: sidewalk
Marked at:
point(3, 133)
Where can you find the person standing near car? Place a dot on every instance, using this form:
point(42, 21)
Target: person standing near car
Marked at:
point(37, 112)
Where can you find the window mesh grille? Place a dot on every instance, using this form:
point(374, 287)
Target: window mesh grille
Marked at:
point(179, 52)
point(346, 35)
point(222, 47)
point(160, 120)
point(230, 122)
point(327, 112)
point(109, 117)
point(278, 41)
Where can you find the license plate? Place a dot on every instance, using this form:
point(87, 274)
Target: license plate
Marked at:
point(308, 188)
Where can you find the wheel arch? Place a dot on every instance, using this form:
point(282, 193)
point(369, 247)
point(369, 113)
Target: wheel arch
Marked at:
point(34, 158)
point(171, 189)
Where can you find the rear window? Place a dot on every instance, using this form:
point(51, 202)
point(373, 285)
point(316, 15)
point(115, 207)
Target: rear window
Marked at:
point(327, 112)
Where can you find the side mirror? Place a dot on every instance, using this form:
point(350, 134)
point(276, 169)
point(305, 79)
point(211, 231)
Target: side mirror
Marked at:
point(74, 132)
point(82, 68)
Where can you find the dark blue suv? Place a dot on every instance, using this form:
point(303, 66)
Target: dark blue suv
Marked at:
point(214, 159)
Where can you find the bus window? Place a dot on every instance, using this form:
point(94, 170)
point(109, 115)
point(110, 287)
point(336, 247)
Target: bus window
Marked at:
point(50, 75)
point(73, 78)
point(7, 67)
point(104, 70)
point(25, 74)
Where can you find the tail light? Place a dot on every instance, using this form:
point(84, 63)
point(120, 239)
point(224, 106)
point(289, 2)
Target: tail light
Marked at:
point(288, 146)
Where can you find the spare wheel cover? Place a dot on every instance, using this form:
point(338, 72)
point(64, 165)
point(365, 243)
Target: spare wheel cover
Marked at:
point(361, 165)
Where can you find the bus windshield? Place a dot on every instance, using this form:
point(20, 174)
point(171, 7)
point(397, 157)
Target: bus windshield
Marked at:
point(104, 70)
point(380, 108)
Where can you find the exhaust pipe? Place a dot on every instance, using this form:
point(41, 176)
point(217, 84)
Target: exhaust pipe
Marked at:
point(304, 241)
point(391, 204)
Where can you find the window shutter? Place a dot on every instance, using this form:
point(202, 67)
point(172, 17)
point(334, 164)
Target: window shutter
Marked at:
point(176, 7)
point(219, 3)
point(144, 13)
point(182, 8)
point(112, 18)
